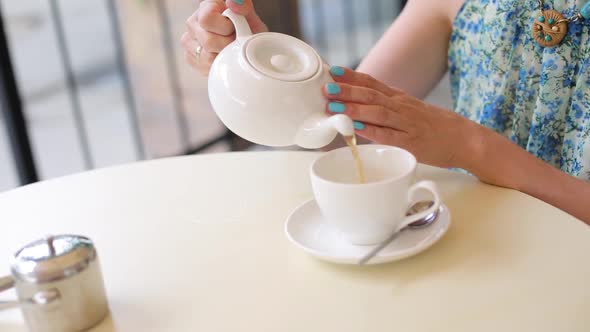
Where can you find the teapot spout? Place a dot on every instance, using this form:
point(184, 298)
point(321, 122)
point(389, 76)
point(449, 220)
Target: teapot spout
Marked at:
point(320, 129)
point(342, 124)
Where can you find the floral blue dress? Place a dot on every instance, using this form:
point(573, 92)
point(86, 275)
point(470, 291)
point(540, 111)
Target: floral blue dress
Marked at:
point(537, 97)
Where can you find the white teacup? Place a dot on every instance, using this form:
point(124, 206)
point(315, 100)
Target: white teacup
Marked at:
point(369, 213)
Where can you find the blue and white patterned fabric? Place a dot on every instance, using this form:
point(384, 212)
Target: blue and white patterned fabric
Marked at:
point(538, 97)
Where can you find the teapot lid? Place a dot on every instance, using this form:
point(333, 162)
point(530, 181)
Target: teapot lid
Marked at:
point(282, 57)
point(53, 258)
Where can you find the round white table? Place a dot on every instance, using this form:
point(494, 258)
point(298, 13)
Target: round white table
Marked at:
point(196, 244)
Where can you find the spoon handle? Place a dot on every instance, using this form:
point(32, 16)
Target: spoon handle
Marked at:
point(380, 247)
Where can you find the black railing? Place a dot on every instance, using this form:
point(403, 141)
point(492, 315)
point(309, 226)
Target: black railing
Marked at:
point(14, 119)
point(178, 97)
point(72, 86)
point(124, 72)
point(12, 106)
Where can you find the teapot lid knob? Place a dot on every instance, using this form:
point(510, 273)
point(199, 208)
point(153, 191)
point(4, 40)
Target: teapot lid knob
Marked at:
point(281, 62)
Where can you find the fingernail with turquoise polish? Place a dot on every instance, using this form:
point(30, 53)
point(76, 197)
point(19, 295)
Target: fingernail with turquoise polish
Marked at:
point(332, 89)
point(239, 2)
point(337, 70)
point(336, 107)
point(358, 125)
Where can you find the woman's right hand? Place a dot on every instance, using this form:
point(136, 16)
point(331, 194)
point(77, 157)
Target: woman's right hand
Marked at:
point(208, 32)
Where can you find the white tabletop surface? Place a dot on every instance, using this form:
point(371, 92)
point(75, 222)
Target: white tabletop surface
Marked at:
point(196, 244)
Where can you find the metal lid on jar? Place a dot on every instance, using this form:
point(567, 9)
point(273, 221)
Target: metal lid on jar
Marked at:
point(282, 57)
point(53, 258)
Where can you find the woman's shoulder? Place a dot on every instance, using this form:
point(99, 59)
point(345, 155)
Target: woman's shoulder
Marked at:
point(446, 9)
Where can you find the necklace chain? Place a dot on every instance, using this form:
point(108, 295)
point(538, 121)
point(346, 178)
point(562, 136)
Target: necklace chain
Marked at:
point(574, 18)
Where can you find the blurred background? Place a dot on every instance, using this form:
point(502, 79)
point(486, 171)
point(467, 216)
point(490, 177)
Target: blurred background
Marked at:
point(93, 83)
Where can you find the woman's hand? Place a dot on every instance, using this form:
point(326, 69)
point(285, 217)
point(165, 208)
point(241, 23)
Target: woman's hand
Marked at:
point(443, 138)
point(208, 32)
point(389, 116)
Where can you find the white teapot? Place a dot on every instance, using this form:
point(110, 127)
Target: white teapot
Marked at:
point(267, 88)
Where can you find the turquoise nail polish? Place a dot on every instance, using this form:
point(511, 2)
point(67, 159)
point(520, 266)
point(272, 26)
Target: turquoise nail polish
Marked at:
point(239, 2)
point(337, 70)
point(358, 125)
point(336, 107)
point(332, 89)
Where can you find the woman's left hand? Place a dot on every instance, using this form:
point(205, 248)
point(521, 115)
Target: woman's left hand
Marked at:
point(386, 115)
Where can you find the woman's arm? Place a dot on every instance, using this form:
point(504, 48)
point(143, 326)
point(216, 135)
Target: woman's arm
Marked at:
point(412, 54)
point(443, 138)
point(496, 160)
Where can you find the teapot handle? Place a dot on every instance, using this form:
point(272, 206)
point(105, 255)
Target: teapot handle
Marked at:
point(240, 23)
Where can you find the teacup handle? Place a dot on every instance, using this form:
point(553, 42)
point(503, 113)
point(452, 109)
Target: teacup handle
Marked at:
point(424, 185)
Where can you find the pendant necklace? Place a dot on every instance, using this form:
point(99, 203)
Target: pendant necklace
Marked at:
point(550, 27)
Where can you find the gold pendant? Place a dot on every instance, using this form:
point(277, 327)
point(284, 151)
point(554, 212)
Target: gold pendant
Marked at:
point(550, 28)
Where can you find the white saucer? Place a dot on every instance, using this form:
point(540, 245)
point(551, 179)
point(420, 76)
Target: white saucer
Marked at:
point(306, 228)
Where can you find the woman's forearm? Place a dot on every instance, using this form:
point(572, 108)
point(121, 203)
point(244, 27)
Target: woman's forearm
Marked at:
point(412, 54)
point(496, 160)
